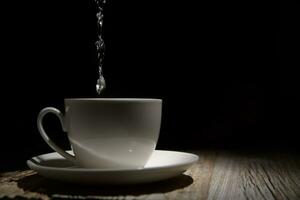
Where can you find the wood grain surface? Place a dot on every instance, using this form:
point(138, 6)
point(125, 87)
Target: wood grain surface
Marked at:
point(217, 175)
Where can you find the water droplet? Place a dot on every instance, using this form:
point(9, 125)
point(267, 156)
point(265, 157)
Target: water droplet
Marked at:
point(100, 46)
point(101, 85)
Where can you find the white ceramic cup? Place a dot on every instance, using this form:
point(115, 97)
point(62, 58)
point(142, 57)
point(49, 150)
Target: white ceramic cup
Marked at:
point(108, 132)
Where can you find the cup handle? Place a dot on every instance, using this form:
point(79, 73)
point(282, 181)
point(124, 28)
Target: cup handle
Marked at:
point(45, 136)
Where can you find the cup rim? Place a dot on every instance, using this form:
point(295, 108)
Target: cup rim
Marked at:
point(115, 99)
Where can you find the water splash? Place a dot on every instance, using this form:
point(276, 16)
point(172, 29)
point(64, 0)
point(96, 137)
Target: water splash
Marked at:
point(100, 46)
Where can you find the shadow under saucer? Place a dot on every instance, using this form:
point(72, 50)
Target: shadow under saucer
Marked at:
point(37, 183)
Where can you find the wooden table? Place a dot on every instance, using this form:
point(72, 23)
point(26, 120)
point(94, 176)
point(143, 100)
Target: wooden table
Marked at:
point(217, 175)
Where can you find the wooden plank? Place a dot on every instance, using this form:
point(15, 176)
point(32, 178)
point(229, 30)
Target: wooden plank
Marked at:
point(201, 173)
point(259, 176)
point(225, 179)
point(30, 185)
point(223, 175)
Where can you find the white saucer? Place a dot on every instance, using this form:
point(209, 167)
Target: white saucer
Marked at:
point(162, 165)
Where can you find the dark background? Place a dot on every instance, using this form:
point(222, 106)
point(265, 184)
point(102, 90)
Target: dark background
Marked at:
point(225, 71)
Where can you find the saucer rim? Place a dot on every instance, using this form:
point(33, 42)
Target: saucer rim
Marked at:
point(194, 159)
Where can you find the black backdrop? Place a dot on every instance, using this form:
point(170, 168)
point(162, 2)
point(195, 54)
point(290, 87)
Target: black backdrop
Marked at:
point(224, 70)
